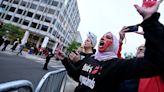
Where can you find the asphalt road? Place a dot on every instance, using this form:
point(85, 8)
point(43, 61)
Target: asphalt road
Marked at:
point(13, 67)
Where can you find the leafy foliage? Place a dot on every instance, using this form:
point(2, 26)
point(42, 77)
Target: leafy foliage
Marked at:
point(128, 55)
point(73, 46)
point(11, 31)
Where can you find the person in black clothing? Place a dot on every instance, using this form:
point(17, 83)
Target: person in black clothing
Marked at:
point(132, 84)
point(48, 57)
point(15, 44)
point(84, 51)
point(6, 43)
point(1, 24)
point(1, 40)
point(105, 72)
point(21, 47)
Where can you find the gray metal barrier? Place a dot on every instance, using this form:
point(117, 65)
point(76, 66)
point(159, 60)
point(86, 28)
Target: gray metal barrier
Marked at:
point(52, 82)
point(14, 86)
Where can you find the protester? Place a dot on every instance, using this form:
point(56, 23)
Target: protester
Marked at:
point(1, 40)
point(1, 24)
point(6, 43)
point(15, 44)
point(132, 84)
point(84, 51)
point(48, 57)
point(22, 46)
point(152, 84)
point(105, 71)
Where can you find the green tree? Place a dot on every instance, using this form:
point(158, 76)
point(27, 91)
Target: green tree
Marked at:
point(11, 31)
point(73, 46)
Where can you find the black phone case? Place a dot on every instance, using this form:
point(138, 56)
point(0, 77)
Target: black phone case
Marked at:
point(132, 28)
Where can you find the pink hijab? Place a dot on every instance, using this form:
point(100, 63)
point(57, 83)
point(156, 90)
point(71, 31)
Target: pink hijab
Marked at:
point(109, 54)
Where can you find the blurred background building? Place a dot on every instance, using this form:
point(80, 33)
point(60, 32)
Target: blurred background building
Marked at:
point(48, 23)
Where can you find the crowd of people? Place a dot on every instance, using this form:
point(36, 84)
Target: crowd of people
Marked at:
point(18, 46)
point(105, 70)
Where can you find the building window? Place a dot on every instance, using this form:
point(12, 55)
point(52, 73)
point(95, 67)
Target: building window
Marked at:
point(37, 16)
point(49, 2)
point(41, 8)
point(50, 30)
point(42, 18)
point(19, 11)
point(24, 12)
point(44, 28)
point(36, 0)
point(26, 22)
point(38, 26)
point(8, 17)
point(3, 15)
point(54, 21)
point(29, 14)
point(20, 20)
point(33, 6)
point(48, 19)
point(55, 3)
point(61, 4)
point(15, 19)
point(7, 7)
point(51, 11)
point(57, 13)
point(54, 33)
point(44, 1)
point(61, 18)
point(3, 6)
point(23, 3)
point(28, 4)
point(16, 1)
point(33, 25)
point(46, 10)
point(12, 9)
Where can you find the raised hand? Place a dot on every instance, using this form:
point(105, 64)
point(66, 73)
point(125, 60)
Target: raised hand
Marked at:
point(122, 33)
point(74, 56)
point(148, 8)
point(148, 3)
point(59, 55)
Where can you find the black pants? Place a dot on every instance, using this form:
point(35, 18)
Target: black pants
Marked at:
point(46, 63)
point(4, 48)
point(20, 52)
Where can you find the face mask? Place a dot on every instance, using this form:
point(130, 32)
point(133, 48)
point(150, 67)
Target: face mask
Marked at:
point(105, 42)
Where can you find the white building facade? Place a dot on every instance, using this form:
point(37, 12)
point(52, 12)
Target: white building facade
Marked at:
point(78, 37)
point(48, 23)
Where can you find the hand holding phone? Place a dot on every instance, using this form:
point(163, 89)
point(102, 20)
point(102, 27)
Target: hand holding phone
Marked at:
point(133, 28)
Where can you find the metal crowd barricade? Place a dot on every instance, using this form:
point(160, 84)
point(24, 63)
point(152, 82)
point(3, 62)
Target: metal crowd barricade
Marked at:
point(52, 82)
point(14, 86)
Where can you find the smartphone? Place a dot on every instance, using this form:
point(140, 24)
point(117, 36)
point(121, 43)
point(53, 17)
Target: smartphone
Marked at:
point(133, 28)
point(74, 52)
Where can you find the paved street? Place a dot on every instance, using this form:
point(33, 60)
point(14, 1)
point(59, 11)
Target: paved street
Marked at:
point(27, 67)
point(17, 68)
